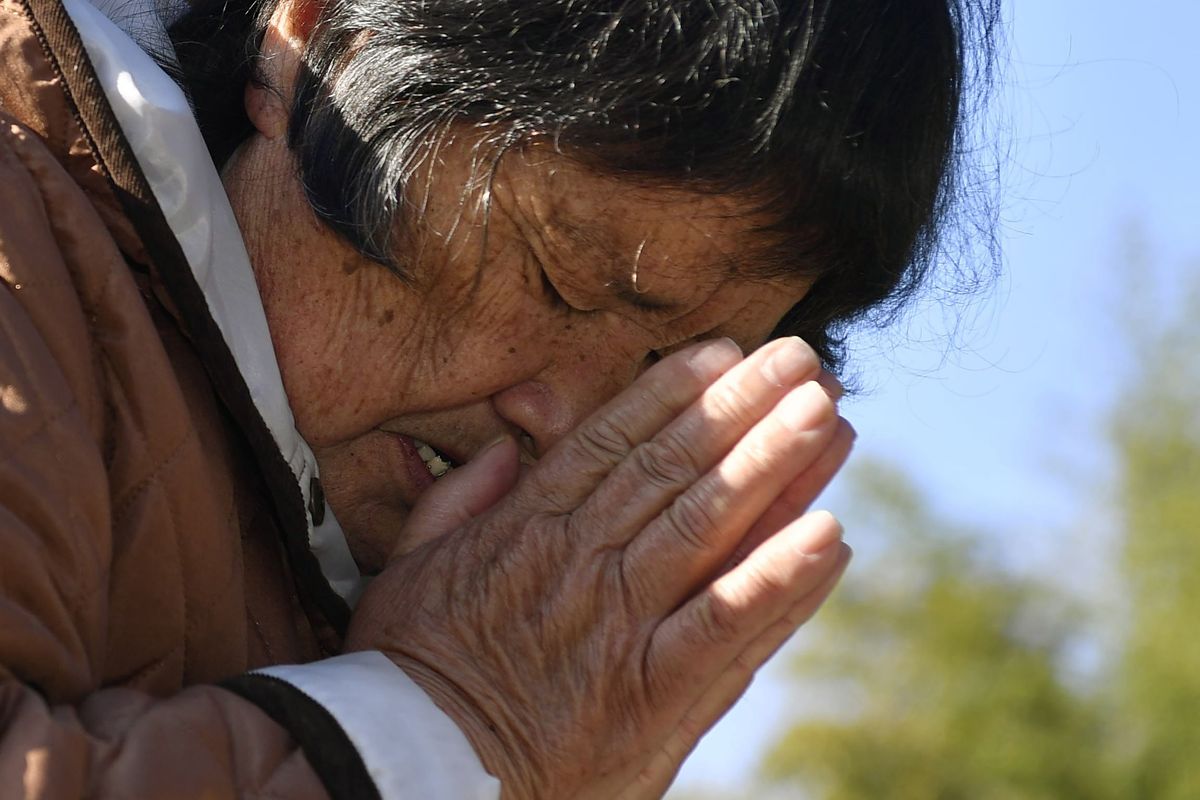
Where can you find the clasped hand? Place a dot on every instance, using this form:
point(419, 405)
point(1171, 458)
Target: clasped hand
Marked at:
point(585, 623)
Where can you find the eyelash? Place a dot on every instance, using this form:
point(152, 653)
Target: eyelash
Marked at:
point(558, 301)
point(549, 290)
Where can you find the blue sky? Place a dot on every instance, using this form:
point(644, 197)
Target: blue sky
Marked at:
point(1001, 424)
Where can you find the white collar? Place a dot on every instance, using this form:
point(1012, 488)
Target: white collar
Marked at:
point(162, 132)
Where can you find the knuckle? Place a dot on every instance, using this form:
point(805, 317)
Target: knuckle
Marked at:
point(742, 670)
point(794, 618)
point(720, 617)
point(691, 728)
point(666, 461)
point(731, 405)
point(661, 398)
point(693, 519)
point(760, 457)
point(604, 440)
point(628, 586)
point(766, 583)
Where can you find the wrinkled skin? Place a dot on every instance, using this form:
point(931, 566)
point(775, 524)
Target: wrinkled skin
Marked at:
point(586, 616)
point(519, 320)
point(522, 315)
point(586, 628)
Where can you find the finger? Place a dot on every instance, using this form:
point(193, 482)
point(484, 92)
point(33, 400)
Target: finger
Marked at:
point(660, 470)
point(761, 649)
point(797, 496)
point(698, 642)
point(570, 472)
point(729, 687)
point(658, 775)
point(701, 529)
point(832, 385)
point(460, 495)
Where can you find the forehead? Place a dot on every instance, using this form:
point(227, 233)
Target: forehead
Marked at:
point(621, 219)
point(679, 254)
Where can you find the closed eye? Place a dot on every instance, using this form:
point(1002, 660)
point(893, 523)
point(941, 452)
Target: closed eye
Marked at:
point(551, 293)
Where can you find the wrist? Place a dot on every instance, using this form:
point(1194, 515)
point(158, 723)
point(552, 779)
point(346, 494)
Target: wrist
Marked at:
point(515, 774)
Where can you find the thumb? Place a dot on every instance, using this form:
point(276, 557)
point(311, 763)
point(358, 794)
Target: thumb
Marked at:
point(461, 494)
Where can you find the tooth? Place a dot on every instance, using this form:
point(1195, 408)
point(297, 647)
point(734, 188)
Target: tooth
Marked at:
point(434, 462)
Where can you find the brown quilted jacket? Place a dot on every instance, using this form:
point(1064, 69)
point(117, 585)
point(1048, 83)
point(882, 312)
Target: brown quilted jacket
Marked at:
point(151, 538)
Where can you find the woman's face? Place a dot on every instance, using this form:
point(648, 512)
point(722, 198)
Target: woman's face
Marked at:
point(520, 318)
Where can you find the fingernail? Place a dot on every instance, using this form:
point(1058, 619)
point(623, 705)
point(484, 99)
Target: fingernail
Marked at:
point(824, 532)
point(833, 387)
point(806, 408)
point(790, 360)
point(714, 356)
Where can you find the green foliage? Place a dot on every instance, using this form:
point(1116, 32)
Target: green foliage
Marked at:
point(952, 670)
point(947, 675)
point(1157, 433)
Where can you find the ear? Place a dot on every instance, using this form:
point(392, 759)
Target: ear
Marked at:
point(267, 99)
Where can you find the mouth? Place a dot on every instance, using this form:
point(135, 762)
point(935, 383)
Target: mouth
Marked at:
point(421, 463)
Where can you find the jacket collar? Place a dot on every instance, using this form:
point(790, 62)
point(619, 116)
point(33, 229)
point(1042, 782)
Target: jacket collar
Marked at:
point(218, 296)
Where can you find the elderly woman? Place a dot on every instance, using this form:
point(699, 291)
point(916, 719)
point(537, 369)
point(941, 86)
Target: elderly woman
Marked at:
point(374, 418)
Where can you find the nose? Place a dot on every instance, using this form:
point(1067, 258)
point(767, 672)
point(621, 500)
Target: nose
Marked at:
point(578, 381)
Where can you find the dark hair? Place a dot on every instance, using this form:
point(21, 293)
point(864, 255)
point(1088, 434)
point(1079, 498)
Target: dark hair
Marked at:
point(845, 120)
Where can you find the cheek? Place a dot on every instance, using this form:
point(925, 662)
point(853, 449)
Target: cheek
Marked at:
point(485, 348)
point(361, 487)
point(347, 347)
point(392, 350)
point(481, 324)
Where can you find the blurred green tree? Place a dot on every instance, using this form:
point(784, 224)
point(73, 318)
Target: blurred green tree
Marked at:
point(945, 672)
point(948, 676)
point(1156, 433)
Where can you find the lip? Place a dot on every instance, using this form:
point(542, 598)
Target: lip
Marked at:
point(414, 466)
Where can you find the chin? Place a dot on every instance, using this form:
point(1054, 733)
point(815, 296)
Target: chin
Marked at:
point(373, 531)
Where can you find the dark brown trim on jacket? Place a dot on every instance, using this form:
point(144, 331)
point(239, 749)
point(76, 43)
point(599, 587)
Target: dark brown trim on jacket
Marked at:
point(324, 742)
